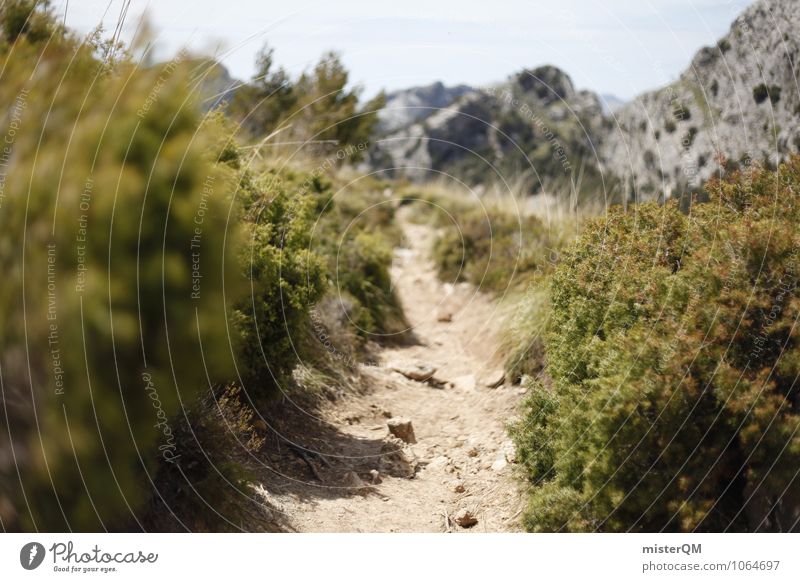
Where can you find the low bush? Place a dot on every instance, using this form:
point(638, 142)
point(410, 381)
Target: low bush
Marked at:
point(493, 249)
point(762, 92)
point(362, 272)
point(208, 488)
point(103, 312)
point(284, 276)
point(144, 265)
point(356, 235)
point(671, 400)
point(524, 331)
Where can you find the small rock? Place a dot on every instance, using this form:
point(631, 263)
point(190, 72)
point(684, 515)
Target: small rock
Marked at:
point(465, 519)
point(444, 317)
point(439, 462)
point(495, 379)
point(402, 429)
point(473, 452)
point(499, 464)
point(457, 485)
point(375, 477)
point(465, 382)
point(416, 372)
point(352, 480)
point(386, 414)
point(259, 424)
point(509, 451)
point(397, 458)
point(435, 382)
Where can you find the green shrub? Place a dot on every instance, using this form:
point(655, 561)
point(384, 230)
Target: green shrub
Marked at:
point(320, 107)
point(124, 217)
point(209, 491)
point(493, 249)
point(362, 272)
point(29, 19)
point(356, 236)
point(284, 279)
point(762, 92)
point(102, 314)
point(524, 331)
point(673, 355)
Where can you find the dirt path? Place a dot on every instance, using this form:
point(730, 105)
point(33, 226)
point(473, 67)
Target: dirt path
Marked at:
point(462, 451)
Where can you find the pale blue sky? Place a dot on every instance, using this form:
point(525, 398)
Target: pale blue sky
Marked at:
point(613, 46)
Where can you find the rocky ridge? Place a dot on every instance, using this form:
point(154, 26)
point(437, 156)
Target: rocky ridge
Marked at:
point(739, 98)
point(535, 123)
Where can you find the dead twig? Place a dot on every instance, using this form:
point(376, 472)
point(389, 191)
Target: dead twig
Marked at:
point(307, 460)
point(447, 522)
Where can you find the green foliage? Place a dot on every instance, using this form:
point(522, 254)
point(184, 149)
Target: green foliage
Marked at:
point(329, 109)
point(102, 313)
point(494, 249)
point(357, 235)
point(127, 216)
point(31, 20)
point(284, 276)
point(317, 108)
point(363, 273)
point(762, 92)
point(673, 356)
point(302, 246)
point(268, 100)
point(208, 490)
point(524, 330)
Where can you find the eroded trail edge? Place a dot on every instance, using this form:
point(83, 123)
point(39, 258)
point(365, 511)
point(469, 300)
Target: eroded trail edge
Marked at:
point(458, 475)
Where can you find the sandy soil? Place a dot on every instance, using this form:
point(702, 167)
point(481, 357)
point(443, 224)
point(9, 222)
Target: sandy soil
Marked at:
point(463, 453)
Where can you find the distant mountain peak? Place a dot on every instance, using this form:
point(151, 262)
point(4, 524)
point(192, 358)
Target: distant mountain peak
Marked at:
point(414, 104)
point(547, 82)
point(737, 97)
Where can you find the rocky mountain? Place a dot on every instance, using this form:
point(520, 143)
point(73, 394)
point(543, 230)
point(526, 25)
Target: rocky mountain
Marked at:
point(739, 98)
point(611, 103)
point(407, 106)
point(534, 124)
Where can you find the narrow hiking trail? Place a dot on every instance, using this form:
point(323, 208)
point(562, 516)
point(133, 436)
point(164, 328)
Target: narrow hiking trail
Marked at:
point(462, 458)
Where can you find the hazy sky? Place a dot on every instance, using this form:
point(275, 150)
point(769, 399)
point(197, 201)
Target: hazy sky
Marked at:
point(621, 47)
